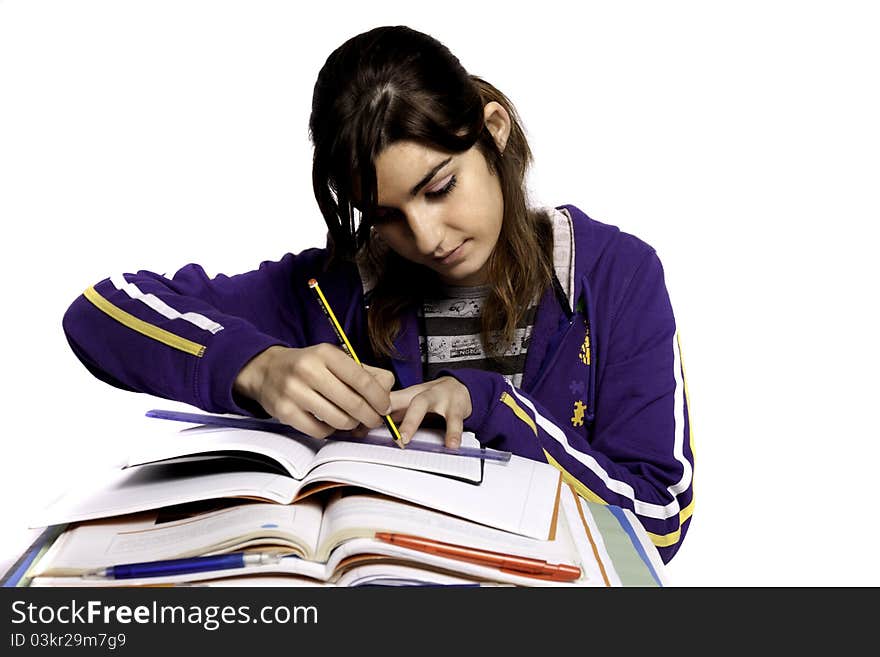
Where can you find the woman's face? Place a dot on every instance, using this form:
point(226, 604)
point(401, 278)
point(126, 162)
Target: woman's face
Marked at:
point(440, 210)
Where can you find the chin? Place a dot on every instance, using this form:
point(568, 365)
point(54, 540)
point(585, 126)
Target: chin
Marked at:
point(467, 278)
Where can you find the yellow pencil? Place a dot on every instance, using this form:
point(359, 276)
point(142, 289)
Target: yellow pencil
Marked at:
point(346, 346)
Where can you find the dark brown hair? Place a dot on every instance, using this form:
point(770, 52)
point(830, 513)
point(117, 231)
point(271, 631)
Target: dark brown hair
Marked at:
point(392, 84)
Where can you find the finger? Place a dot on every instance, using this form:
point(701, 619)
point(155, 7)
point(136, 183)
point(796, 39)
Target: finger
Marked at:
point(454, 427)
point(359, 379)
point(360, 431)
point(414, 416)
point(305, 422)
point(328, 412)
point(348, 401)
point(401, 399)
point(385, 378)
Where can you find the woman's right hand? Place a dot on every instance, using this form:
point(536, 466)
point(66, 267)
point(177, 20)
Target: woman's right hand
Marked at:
point(317, 390)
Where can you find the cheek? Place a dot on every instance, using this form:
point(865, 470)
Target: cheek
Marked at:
point(487, 211)
point(483, 196)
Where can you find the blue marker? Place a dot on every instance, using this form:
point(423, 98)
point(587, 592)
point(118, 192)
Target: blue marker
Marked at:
point(184, 566)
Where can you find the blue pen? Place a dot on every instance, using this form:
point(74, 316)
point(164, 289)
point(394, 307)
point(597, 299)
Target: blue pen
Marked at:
point(184, 566)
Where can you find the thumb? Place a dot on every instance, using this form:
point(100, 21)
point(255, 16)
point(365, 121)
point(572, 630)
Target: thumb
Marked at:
point(385, 378)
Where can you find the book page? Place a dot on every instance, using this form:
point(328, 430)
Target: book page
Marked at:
point(290, 566)
point(174, 534)
point(517, 496)
point(350, 516)
point(460, 467)
point(273, 580)
point(299, 455)
point(391, 574)
point(434, 562)
point(151, 486)
point(295, 455)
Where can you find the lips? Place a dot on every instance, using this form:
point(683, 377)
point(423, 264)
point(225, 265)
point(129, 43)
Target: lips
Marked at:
point(453, 256)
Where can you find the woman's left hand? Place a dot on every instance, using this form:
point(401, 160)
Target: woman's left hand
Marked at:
point(445, 396)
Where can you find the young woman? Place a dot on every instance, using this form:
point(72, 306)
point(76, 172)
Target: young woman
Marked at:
point(541, 330)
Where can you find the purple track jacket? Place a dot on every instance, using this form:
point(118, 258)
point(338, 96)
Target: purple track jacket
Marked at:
point(603, 397)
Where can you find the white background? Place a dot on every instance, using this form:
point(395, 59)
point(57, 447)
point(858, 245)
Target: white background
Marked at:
point(740, 139)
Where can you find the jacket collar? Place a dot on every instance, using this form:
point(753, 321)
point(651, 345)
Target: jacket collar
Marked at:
point(563, 254)
point(589, 241)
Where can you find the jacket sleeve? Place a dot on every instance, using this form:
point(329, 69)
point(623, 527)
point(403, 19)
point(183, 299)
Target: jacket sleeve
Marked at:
point(638, 454)
point(187, 337)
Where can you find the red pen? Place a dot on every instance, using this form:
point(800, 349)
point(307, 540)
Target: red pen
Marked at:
point(509, 563)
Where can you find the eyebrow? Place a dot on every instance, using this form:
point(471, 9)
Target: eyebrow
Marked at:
point(433, 172)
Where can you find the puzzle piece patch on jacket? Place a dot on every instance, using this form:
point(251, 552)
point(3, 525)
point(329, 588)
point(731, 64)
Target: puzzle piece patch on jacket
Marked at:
point(578, 419)
point(584, 354)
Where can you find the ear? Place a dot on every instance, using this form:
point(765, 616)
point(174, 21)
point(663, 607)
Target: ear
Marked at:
point(498, 121)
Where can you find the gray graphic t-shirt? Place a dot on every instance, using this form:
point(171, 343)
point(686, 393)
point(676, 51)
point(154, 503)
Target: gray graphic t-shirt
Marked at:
point(452, 324)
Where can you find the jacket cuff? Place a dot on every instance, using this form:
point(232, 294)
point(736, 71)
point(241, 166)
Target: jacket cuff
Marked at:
point(216, 371)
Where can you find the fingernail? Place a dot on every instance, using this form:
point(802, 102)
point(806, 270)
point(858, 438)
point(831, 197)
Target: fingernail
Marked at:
point(456, 443)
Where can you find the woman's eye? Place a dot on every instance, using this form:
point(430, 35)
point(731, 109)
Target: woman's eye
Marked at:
point(443, 191)
point(384, 215)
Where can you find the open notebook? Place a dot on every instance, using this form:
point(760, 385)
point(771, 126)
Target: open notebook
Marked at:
point(205, 463)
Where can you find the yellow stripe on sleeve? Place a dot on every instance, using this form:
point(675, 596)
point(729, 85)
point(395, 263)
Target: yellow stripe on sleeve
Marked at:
point(665, 540)
point(575, 483)
point(572, 481)
point(660, 540)
point(132, 322)
point(518, 411)
point(690, 421)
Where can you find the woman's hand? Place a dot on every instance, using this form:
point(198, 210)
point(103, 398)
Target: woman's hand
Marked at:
point(317, 390)
point(445, 396)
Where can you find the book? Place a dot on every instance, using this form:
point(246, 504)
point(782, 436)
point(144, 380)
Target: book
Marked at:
point(209, 462)
point(331, 539)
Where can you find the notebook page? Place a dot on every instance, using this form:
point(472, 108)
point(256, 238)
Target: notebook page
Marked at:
point(517, 496)
point(300, 455)
point(445, 464)
point(293, 454)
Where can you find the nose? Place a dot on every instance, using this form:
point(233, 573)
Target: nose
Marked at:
point(427, 232)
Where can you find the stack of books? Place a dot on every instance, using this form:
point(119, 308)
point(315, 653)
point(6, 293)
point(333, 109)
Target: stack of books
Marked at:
point(220, 505)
